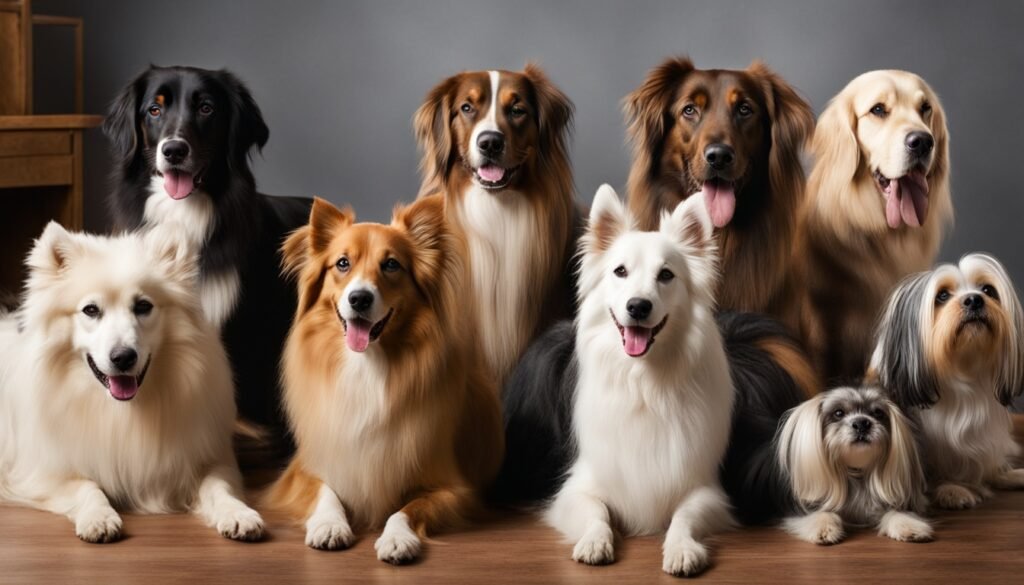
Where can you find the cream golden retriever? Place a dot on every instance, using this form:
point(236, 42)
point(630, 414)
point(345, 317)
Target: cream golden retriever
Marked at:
point(878, 203)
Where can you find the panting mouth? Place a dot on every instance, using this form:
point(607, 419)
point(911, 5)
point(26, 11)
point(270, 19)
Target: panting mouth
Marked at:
point(493, 176)
point(179, 184)
point(906, 197)
point(720, 199)
point(360, 332)
point(637, 341)
point(122, 387)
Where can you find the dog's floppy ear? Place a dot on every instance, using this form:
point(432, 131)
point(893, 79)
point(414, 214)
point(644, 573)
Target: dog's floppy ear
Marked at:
point(435, 266)
point(900, 481)
point(1010, 379)
point(554, 114)
point(121, 124)
point(835, 147)
point(301, 249)
point(647, 109)
point(803, 458)
point(792, 123)
point(900, 361)
point(246, 128)
point(432, 124)
point(690, 224)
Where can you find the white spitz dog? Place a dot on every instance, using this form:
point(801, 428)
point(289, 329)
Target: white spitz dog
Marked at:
point(115, 391)
point(654, 397)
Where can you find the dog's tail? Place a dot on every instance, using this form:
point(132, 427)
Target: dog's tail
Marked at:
point(537, 402)
point(771, 375)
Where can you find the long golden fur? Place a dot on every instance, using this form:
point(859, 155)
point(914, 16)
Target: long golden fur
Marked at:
point(674, 116)
point(853, 257)
point(410, 427)
point(520, 233)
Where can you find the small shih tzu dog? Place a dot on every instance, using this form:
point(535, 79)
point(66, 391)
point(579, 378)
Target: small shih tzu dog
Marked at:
point(949, 351)
point(849, 457)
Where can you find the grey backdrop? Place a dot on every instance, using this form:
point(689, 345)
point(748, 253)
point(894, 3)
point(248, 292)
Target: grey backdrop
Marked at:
point(338, 81)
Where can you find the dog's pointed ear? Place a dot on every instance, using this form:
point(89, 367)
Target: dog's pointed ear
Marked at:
point(121, 125)
point(690, 224)
point(177, 258)
point(301, 249)
point(802, 457)
point(834, 146)
point(246, 123)
point(554, 113)
point(52, 251)
point(898, 482)
point(792, 124)
point(325, 222)
point(608, 220)
point(432, 124)
point(647, 109)
point(900, 362)
point(434, 254)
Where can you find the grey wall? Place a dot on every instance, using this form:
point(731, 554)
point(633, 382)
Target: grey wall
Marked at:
point(338, 81)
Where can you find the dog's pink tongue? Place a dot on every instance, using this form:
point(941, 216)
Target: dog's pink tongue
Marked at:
point(491, 173)
point(357, 336)
point(721, 202)
point(892, 204)
point(178, 184)
point(123, 387)
point(914, 202)
point(636, 340)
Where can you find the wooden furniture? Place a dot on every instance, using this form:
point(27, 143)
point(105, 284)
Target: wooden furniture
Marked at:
point(40, 155)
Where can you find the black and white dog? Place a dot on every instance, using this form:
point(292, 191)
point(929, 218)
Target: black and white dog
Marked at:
point(182, 138)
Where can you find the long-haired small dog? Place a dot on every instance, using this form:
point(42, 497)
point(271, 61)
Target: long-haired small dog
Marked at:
point(849, 456)
point(949, 350)
point(494, 144)
point(394, 416)
point(733, 138)
point(114, 389)
point(877, 204)
point(651, 400)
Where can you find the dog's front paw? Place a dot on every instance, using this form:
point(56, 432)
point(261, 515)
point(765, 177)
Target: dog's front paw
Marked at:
point(241, 524)
point(597, 547)
point(328, 534)
point(1011, 479)
point(398, 544)
point(955, 497)
point(906, 528)
point(685, 559)
point(98, 526)
point(818, 527)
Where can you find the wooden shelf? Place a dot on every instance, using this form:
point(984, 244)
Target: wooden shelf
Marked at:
point(51, 122)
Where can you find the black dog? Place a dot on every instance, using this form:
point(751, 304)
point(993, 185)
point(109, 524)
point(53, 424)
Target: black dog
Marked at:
point(182, 138)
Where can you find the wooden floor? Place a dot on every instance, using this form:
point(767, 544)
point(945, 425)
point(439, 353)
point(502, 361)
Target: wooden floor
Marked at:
point(985, 545)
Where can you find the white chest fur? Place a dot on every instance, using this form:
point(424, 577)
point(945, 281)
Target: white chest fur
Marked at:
point(504, 237)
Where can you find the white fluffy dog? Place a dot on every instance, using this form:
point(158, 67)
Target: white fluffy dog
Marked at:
point(653, 401)
point(115, 391)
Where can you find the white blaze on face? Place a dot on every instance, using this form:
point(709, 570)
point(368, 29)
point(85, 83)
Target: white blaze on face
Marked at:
point(489, 123)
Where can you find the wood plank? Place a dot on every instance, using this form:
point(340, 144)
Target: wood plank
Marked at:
point(56, 121)
point(36, 171)
point(32, 142)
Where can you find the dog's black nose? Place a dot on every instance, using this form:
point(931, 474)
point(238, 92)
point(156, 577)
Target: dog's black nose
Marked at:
point(719, 156)
point(360, 300)
point(175, 151)
point(491, 142)
point(920, 143)
point(861, 425)
point(124, 358)
point(638, 308)
point(974, 302)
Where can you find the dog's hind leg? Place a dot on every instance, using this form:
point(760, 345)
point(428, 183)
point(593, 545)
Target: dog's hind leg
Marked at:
point(400, 542)
point(219, 505)
point(87, 506)
point(704, 511)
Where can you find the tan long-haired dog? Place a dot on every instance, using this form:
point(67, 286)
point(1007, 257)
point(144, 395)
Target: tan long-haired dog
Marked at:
point(494, 144)
point(733, 137)
point(878, 202)
point(392, 413)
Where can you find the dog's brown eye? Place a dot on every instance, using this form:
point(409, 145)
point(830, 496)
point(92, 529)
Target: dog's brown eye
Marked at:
point(466, 108)
point(142, 307)
point(878, 414)
point(838, 414)
point(155, 111)
point(343, 264)
point(745, 110)
point(665, 275)
point(943, 296)
point(390, 265)
point(879, 110)
point(517, 111)
point(621, 272)
point(91, 311)
point(925, 108)
point(689, 111)
point(205, 109)
point(990, 291)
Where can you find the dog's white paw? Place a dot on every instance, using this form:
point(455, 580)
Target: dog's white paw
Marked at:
point(242, 523)
point(328, 534)
point(816, 528)
point(955, 497)
point(906, 528)
point(685, 559)
point(398, 544)
point(98, 525)
point(1011, 479)
point(597, 547)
